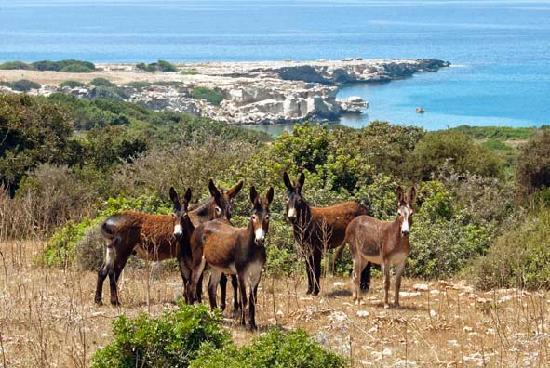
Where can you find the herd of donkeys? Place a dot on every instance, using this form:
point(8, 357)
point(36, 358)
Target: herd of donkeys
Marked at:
point(204, 238)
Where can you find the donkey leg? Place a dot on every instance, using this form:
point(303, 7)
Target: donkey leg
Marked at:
point(317, 257)
point(113, 279)
point(244, 299)
point(365, 278)
point(213, 281)
point(235, 284)
point(252, 308)
point(101, 276)
point(398, 273)
point(386, 271)
point(358, 265)
point(196, 276)
point(223, 292)
point(185, 273)
point(310, 273)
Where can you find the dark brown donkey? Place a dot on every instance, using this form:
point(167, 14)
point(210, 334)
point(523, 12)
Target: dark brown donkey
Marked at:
point(240, 251)
point(382, 242)
point(318, 228)
point(150, 237)
point(219, 205)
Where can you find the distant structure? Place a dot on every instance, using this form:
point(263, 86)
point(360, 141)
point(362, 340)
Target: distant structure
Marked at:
point(420, 110)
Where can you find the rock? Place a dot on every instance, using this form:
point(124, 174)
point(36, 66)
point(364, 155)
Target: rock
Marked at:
point(406, 294)
point(362, 313)
point(353, 104)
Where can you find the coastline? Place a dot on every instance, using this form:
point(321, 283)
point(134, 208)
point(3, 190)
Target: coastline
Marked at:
point(249, 93)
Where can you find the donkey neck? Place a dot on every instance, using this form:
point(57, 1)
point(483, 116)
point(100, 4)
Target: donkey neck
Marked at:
point(395, 230)
point(303, 218)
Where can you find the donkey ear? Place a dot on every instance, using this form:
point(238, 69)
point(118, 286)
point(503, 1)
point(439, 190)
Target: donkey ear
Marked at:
point(412, 195)
point(300, 182)
point(187, 196)
point(269, 195)
point(253, 195)
point(399, 192)
point(174, 198)
point(288, 184)
point(212, 188)
point(236, 189)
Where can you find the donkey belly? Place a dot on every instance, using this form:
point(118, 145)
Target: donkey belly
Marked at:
point(227, 269)
point(398, 258)
point(373, 259)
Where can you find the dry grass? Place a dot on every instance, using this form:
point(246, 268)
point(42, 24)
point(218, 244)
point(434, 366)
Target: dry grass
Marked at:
point(47, 318)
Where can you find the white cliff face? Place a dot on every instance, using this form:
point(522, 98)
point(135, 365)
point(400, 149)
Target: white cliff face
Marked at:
point(253, 92)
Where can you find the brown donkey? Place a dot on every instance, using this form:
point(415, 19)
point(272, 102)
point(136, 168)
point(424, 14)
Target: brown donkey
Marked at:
point(382, 242)
point(150, 237)
point(319, 228)
point(236, 251)
point(218, 206)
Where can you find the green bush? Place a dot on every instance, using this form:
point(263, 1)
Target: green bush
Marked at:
point(274, 349)
point(103, 82)
point(211, 95)
point(520, 257)
point(171, 340)
point(71, 84)
point(460, 151)
point(533, 170)
point(23, 85)
point(15, 65)
point(70, 65)
point(160, 66)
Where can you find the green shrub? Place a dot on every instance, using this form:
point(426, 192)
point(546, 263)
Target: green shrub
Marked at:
point(171, 340)
point(274, 349)
point(15, 65)
point(71, 84)
point(103, 82)
point(533, 170)
point(23, 85)
point(160, 66)
point(189, 71)
point(460, 151)
point(520, 257)
point(70, 65)
point(211, 95)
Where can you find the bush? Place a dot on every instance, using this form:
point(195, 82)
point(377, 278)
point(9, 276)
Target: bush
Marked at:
point(102, 82)
point(70, 65)
point(211, 95)
point(15, 65)
point(160, 66)
point(274, 349)
point(23, 85)
point(443, 240)
point(518, 258)
point(460, 151)
point(171, 340)
point(533, 171)
point(71, 84)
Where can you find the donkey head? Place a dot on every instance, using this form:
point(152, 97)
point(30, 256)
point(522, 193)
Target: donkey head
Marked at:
point(260, 214)
point(222, 204)
point(179, 209)
point(295, 204)
point(405, 208)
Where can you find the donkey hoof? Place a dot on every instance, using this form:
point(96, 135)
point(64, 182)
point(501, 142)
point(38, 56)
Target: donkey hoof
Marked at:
point(98, 301)
point(252, 327)
point(115, 303)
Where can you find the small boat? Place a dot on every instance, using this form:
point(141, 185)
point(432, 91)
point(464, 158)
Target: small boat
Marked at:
point(420, 110)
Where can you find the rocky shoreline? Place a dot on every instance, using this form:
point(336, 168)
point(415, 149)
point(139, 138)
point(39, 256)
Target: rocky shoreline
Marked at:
point(276, 92)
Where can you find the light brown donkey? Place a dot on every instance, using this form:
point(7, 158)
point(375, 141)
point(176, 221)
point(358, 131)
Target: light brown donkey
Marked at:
point(381, 242)
point(231, 250)
point(150, 237)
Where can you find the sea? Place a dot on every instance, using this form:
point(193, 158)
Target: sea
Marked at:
point(499, 50)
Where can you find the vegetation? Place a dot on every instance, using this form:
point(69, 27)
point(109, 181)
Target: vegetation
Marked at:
point(496, 132)
point(70, 65)
point(160, 66)
point(211, 95)
point(272, 349)
point(22, 85)
point(71, 84)
point(171, 340)
point(533, 172)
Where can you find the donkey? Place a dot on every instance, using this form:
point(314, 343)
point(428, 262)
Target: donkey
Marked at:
point(382, 242)
point(219, 205)
point(319, 228)
point(236, 251)
point(150, 237)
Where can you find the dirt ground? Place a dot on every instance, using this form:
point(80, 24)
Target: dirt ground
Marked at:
point(48, 318)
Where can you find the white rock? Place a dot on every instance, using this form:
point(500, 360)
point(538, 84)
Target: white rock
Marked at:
point(362, 313)
point(421, 287)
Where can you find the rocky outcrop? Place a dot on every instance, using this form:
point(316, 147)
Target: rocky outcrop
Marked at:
point(253, 92)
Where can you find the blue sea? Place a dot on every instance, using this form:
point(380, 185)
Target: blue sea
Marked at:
point(499, 50)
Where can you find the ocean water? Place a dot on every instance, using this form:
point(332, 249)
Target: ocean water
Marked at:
point(500, 50)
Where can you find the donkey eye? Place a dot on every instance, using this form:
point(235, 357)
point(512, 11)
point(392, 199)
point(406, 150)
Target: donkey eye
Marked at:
point(254, 217)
